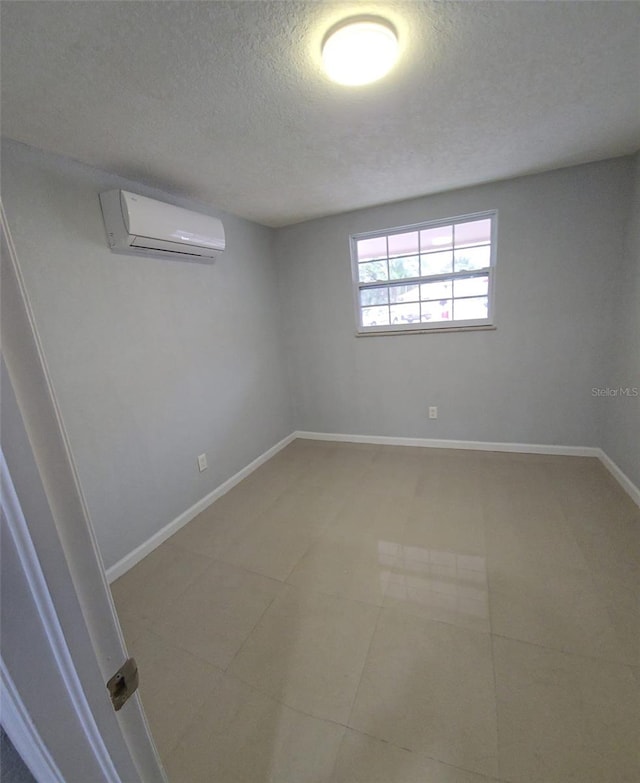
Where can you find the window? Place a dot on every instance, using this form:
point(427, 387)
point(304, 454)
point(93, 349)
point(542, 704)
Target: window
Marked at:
point(436, 275)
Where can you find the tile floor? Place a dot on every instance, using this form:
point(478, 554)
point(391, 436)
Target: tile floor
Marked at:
point(393, 615)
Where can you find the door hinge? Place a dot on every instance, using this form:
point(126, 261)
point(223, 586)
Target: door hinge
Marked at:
point(123, 683)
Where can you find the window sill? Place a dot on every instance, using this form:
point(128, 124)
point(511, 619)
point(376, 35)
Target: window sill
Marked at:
point(398, 332)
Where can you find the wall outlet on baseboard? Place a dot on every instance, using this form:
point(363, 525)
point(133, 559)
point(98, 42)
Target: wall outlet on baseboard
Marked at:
point(433, 411)
point(202, 462)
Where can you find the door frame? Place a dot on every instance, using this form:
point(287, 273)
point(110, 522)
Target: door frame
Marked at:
point(60, 560)
point(16, 719)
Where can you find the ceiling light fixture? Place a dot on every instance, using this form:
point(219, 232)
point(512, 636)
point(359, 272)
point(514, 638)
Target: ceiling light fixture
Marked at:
point(359, 50)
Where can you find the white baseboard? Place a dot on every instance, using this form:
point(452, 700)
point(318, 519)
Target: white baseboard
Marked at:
point(625, 482)
point(128, 561)
point(134, 557)
point(472, 445)
point(476, 445)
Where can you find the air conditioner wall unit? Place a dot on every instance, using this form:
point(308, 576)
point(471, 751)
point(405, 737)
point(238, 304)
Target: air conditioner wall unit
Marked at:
point(137, 225)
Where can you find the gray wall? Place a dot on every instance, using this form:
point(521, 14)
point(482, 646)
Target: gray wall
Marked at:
point(153, 361)
point(560, 245)
point(621, 413)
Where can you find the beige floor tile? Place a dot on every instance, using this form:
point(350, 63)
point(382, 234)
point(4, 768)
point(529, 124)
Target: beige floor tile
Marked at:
point(532, 536)
point(344, 567)
point(603, 519)
point(132, 625)
point(453, 475)
point(399, 561)
point(308, 652)
point(270, 546)
point(368, 514)
point(308, 506)
point(363, 759)
point(447, 512)
point(210, 533)
point(254, 494)
point(394, 474)
point(623, 604)
point(438, 585)
point(565, 718)
point(162, 576)
point(611, 546)
point(274, 542)
point(302, 448)
point(243, 736)
point(286, 468)
point(218, 611)
point(449, 525)
point(173, 686)
point(428, 687)
point(559, 610)
point(589, 495)
point(342, 465)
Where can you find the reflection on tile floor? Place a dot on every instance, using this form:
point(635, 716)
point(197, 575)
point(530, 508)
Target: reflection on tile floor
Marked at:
point(402, 615)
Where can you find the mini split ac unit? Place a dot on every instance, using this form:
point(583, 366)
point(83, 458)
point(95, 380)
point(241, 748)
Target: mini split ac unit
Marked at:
point(141, 226)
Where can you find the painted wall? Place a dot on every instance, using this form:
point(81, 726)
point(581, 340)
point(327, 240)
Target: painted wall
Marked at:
point(621, 413)
point(560, 245)
point(153, 361)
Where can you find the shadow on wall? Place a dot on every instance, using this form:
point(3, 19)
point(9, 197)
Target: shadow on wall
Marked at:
point(12, 767)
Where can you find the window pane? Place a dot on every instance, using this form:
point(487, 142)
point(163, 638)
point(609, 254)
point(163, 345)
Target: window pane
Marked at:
point(375, 316)
point(404, 267)
point(405, 313)
point(436, 263)
point(440, 290)
point(467, 309)
point(433, 274)
point(372, 271)
point(470, 286)
point(372, 248)
point(404, 293)
point(374, 296)
point(403, 244)
point(437, 311)
point(436, 238)
point(472, 258)
point(477, 232)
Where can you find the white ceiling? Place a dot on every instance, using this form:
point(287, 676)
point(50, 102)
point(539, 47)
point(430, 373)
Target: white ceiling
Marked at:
point(226, 101)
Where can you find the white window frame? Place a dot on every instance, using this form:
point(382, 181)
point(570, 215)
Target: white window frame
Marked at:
point(421, 327)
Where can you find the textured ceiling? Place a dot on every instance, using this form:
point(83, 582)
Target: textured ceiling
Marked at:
point(226, 102)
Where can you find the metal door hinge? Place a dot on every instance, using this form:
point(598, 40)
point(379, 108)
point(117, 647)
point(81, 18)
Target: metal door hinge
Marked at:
point(123, 683)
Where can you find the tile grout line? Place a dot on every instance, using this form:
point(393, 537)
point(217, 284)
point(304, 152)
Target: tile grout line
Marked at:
point(248, 636)
point(366, 657)
point(357, 690)
point(495, 693)
point(583, 656)
point(364, 665)
point(485, 514)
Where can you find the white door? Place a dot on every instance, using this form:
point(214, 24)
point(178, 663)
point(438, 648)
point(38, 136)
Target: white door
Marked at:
point(61, 639)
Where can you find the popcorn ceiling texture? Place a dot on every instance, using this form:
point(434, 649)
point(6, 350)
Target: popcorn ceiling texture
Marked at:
point(226, 102)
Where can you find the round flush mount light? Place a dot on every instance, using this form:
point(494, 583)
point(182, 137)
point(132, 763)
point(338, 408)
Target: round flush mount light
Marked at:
point(360, 50)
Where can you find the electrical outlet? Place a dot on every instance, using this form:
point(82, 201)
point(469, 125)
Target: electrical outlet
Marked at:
point(202, 462)
point(433, 411)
